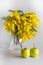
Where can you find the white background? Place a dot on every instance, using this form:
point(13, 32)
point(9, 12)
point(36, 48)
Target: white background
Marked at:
point(25, 5)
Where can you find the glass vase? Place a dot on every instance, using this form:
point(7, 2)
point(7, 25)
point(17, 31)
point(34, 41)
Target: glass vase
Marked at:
point(15, 43)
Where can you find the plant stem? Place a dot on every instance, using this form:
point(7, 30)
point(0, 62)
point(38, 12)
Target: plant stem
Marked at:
point(20, 45)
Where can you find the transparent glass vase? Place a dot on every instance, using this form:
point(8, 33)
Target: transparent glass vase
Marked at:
point(15, 44)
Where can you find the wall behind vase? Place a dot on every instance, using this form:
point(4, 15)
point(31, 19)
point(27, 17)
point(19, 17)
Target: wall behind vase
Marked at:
point(25, 5)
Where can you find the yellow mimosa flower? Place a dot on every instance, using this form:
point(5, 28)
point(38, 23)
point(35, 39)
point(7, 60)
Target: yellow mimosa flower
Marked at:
point(12, 27)
point(23, 25)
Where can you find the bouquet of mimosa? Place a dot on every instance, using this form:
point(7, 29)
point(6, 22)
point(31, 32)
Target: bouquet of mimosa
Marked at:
point(23, 25)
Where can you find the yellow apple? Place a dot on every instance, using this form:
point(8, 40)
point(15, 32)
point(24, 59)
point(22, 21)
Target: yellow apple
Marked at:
point(25, 52)
point(34, 52)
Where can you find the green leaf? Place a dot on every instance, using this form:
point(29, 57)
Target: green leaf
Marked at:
point(33, 29)
point(4, 18)
point(21, 12)
point(11, 10)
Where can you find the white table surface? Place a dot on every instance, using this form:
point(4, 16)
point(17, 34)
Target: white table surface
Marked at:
point(16, 59)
